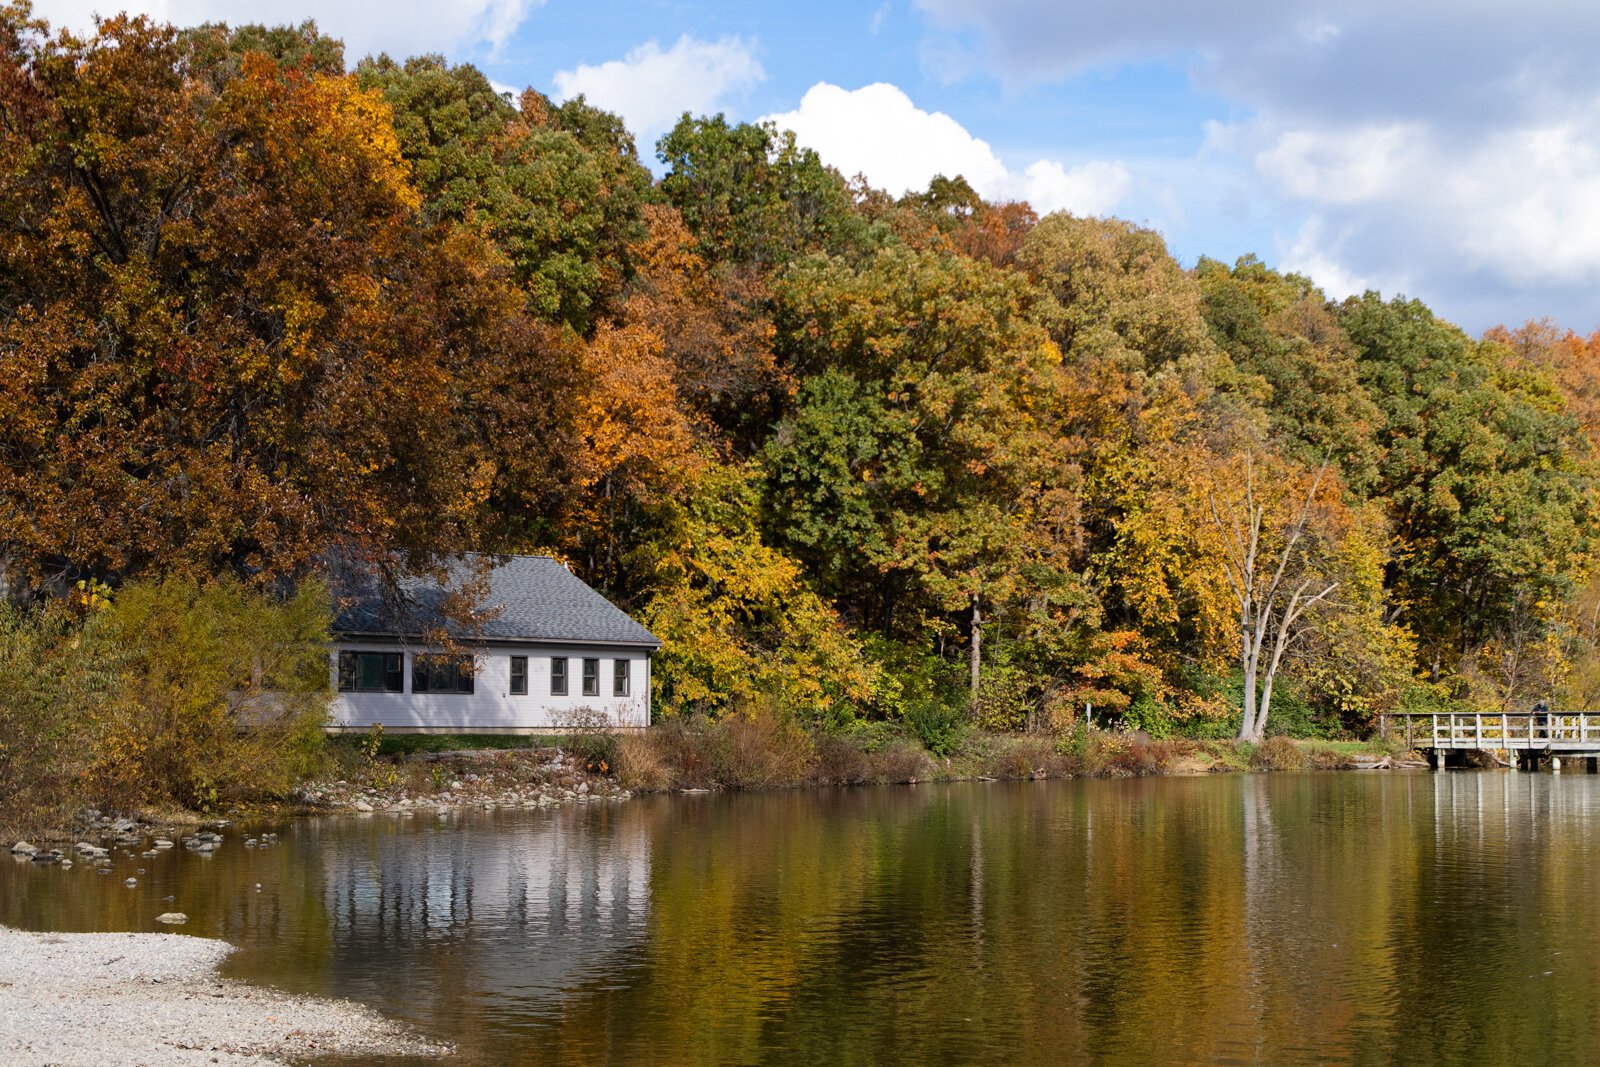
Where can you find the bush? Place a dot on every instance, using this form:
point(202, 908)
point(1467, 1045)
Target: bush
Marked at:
point(760, 747)
point(640, 765)
point(1279, 754)
point(223, 694)
point(939, 726)
point(592, 737)
point(56, 674)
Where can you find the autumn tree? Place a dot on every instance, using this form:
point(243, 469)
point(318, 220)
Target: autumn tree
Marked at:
point(905, 477)
point(1276, 559)
point(226, 341)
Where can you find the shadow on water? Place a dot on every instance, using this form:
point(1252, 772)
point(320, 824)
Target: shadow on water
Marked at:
point(1332, 917)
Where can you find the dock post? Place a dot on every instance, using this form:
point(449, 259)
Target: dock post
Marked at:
point(1555, 764)
point(1593, 765)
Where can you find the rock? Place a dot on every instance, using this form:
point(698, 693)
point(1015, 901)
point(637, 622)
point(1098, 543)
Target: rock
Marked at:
point(22, 848)
point(130, 882)
point(149, 854)
point(362, 805)
point(172, 918)
point(46, 857)
point(583, 787)
point(161, 842)
point(66, 864)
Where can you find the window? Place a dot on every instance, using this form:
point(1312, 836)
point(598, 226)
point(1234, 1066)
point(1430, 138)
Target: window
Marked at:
point(591, 677)
point(558, 676)
point(370, 672)
point(519, 676)
point(435, 674)
point(619, 677)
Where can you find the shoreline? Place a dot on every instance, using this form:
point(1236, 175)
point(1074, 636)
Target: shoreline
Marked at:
point(529, 778)
point(86, 1000)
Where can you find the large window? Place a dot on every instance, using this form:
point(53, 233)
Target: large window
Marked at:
point(619, 677)
point(436, 674)
point(558, 676)
point(371, 672)
point(519, 676)
point(591, 677)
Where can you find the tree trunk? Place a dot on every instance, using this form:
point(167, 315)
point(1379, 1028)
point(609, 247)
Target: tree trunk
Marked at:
point(977, 648)
point(1247, 720)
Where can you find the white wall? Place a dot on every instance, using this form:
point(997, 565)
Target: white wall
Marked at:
point(491, 707)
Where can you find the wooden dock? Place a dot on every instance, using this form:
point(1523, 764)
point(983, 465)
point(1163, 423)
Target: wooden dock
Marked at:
point(1526, 737)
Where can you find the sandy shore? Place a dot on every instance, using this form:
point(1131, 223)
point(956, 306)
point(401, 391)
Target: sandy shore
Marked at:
point(156, 999)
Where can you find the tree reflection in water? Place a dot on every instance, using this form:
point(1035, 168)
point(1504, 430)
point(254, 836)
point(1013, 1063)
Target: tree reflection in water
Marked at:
point(1272, 918)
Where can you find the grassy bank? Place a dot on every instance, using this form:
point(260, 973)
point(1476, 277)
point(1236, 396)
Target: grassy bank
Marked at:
point(377, 772)
point(745, 753)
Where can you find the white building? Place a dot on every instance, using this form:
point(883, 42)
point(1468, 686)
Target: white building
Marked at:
point(548, 652)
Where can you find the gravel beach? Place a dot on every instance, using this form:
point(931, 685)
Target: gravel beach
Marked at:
point(156, 999)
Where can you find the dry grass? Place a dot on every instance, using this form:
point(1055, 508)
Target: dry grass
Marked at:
point(1280, 754)
point(640, 765)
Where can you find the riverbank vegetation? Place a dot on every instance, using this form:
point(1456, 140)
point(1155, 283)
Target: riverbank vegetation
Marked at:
point(915, 465)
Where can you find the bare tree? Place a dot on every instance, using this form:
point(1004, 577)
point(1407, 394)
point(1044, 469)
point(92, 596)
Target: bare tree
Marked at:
point(1277, 580)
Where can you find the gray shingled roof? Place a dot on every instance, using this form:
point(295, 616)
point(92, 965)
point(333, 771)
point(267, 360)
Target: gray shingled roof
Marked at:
point(538, 600)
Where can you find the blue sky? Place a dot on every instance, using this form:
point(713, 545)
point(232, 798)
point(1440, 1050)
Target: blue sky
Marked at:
point(1445, 151)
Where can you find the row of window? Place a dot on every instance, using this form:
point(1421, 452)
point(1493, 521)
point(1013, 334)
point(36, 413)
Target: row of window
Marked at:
point(384, 672)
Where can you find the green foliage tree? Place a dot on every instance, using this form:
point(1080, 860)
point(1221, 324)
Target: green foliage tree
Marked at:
point(557, 191)
point(1485, 477)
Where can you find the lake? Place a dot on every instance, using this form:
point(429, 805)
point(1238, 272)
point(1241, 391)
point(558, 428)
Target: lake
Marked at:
point(1381, 916)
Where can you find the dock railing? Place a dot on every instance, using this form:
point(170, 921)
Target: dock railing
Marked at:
point(1555, 731)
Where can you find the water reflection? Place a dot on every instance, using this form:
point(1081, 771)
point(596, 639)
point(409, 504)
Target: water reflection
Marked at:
point(1342, 917)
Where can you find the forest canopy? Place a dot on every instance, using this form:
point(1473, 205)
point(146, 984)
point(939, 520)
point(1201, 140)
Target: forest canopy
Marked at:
point(863, 456)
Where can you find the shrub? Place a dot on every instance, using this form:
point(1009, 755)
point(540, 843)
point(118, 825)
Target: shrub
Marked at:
point(57, 674)
point(641, 765)
point(843, 759)
point(1279, 754)
point(592, 737)
point(939, 726)
point(760, 746)
point(223, 693)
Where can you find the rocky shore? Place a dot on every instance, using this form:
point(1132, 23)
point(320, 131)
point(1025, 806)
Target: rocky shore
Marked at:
point(156, 999)
point(490, 778)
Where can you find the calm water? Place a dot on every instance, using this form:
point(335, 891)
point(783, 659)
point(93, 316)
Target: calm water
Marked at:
point(1335, 917)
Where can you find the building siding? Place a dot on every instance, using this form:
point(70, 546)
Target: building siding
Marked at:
point(491, 707)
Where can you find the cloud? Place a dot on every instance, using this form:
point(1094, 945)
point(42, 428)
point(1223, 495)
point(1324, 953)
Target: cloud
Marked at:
point(877, 131)
point(650, 88)
point(1449, 147)
point(399, 27)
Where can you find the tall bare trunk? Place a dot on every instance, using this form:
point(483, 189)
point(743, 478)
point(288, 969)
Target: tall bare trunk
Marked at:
point(1268, 610)
point(976, 650)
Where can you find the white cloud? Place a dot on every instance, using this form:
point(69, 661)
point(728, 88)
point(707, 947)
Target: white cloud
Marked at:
point(1316, 254)
point(877, 131)
point(1455, 148)
point(399, 27)
point(650, 88)
point(1341, 166)
point(1092, 188)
